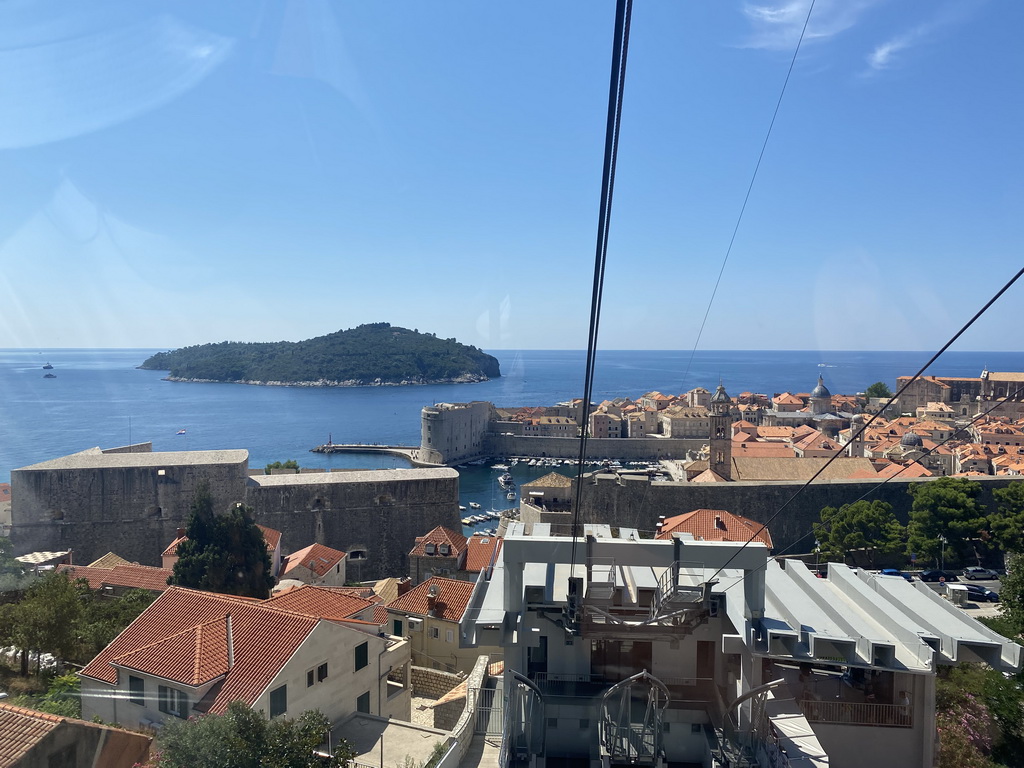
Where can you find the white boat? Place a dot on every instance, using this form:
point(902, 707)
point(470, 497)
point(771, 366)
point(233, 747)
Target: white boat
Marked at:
point(467, 521)
point(502, 467)
point(511, 495)
point(474, 505)
point(461, 508)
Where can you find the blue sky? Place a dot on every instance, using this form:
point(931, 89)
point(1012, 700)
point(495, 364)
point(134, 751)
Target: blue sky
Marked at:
point(190, 172)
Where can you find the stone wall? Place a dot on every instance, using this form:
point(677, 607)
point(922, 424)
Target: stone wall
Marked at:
point(133, 504)
point(433, 683)
point(626, 448)
point(638, 503)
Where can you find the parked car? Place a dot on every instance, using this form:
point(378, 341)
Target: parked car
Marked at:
point(979, 594)
point(936, 575)
point(974, 573)
point(896, 572)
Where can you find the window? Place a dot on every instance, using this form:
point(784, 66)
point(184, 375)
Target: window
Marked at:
point(137, 690)
point(362, 655)
point(435, 633)
point(449, 636)
point(309, 678)
point(172, 701)
point(321, 672)
point(279, 701)
point(363, 703)
point(398, 628)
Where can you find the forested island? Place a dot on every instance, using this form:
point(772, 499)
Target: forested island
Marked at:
point(376, 354)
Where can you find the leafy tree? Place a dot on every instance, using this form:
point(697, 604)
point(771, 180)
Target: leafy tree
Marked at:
point(46, 620)
point(980, 713)
point(63, 697)
point(243, 738)
point(14, 576)
point(868, 526)
point(1011, 597)
point(223, 553)
point(290, 464)
point(946, 507)
point(878, 389)
point(1007, 523)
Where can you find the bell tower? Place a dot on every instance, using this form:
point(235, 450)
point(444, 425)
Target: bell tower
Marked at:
point(720, 459)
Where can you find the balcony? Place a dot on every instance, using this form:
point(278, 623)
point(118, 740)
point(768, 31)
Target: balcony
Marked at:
point(855, 713)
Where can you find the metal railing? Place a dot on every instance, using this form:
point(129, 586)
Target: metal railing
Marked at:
point(857, 713)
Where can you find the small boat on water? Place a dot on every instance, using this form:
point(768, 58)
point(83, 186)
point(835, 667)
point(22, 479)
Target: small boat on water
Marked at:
point(511, 495)
point(467, 521)
point(461, 508)
point(502, 467)
point(49, 376)
point(506, 481)
point(474, 505)
point(47, 367)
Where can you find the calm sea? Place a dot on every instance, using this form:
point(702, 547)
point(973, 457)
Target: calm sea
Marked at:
point(99, 398)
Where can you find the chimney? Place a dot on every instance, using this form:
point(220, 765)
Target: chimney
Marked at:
point(231, 641)
point(181, 532)
point(432, 598)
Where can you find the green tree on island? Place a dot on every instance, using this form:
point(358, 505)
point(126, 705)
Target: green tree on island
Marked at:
point(867, 528)
point(243, 738)
point(223, 553)
point(946, 508)
point(878, 389)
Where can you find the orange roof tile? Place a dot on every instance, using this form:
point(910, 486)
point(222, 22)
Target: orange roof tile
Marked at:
point(437, 536)
point(22, 730)
point(715, 525)
point(317, 557)
point(130, 576)
point(194, 657)
point(709, 476)
point(179, 611)
point(380, 614)
point(479, 552)
point(324, 602)
point(5, 492)
point(452, 597)
point(108, 560)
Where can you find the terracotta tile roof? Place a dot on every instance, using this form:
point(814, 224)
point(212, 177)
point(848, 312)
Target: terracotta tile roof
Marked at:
point(180, 612)
point(479, 551)
point(714, 525)
point(709, 476)
point(449, 604)
point(5, 492)
point(193, 657)
point(386, 589)
point(22, 730)
point(317, 557)
point(109, 560)
point(270, 536)
point(130, 576)
point(496, 668)
point(380, 614)
point(439, 535)
point(324, 602)
point(550, 480)
point(763, 449)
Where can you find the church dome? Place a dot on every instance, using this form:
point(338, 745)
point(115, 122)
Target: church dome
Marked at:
point(821, 390)
point(720, 395)
point(911, 440)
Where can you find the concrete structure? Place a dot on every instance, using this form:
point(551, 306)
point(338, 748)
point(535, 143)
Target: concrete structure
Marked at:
point(134, 502)
point(707, 653)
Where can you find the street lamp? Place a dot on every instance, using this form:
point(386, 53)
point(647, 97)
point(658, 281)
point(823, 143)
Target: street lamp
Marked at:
point(942, 539)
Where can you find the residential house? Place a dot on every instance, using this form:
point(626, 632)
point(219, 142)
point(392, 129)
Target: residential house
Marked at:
point(194, 652)
point(642, 423)
point(681, 422)
point(550, 426)
point(603, 424)
point(441, 552)
point(429, 616)
point(33, 739)
point(552, 492)
point(714, 525)
point(315, 564)
point(117, 580)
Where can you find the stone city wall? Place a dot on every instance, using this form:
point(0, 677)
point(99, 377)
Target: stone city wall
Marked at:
point(637, 503)
point(624, 448)
point(433, 683)
point(135, 511)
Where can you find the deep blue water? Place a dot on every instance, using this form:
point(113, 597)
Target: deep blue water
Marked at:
point(100, 399)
